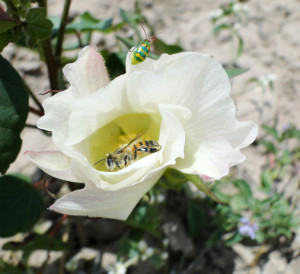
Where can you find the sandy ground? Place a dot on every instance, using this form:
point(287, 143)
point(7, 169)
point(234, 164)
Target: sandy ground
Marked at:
point(272, 43)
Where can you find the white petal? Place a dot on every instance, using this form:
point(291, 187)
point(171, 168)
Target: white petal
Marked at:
point(57, 111)
point(172, 133)
point(218, 150)
point(213, 135)
point(179, 79)
point(95, 202)
point(54, 163)
point(96, 110)
point(88, 73)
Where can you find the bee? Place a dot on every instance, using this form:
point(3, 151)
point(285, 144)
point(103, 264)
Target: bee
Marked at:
point(129, 153)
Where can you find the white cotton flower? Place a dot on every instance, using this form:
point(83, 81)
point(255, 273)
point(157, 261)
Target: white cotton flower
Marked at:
point(181, 101)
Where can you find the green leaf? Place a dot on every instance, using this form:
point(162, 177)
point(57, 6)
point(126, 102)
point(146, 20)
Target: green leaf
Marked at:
point(269, 146)
point(5, 38)
point(224, 198)
point(13, 113)
point(238, 203)
point(291, 132)
point(232, 72)
point(113, 64)
point(129, 18)
point(285, 159)
point(162, 47)
point(21, 206)
point(9, 269)
point(145, 217)
point(235, 238)
point(266, 181)
point(240, 47)
point(272, 131)
point(174, 176)
point(6, 22)
point(214, 238)
point(86, 22)
point(243, 187)
point(43, 242)
point(156, 261)
point(218, 28)
point(196, 219)
point(38, 26)
point(129, 244)
point(56, 20)
point(129, 43)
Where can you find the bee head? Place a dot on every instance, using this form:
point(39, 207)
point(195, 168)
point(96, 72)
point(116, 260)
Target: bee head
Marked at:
point(110, 163)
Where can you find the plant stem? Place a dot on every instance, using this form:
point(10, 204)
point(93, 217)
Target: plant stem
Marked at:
point(51, 64)
point(31, 126)
point(262, 250)
point(32, 95)
point(79, 39)
point(49, 57)
point(43, 3)
point(14, 11)
point(197, 182)
point(61, 32)
point(36, 111)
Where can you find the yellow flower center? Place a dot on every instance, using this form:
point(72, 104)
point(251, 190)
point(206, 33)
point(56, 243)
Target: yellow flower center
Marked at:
point(119, 132)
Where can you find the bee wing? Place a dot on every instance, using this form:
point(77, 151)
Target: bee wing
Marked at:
point(134, 139)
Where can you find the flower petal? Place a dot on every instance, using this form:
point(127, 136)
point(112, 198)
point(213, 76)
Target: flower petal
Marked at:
point(212, 149)
point(213, 135)
point(95, 202)
point(54, 163)
point(57, 111)
point(88, 73)
point(205, 83)
point(172, 138)
point(96, 110)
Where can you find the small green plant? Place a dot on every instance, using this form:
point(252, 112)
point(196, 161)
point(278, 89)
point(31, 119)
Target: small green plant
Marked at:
point(231, 17)
point(244, 216)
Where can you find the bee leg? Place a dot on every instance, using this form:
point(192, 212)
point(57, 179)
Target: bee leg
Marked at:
point(125, 160)
point(117, 164)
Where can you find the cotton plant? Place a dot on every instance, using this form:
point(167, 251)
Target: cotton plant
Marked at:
point(182, 101)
